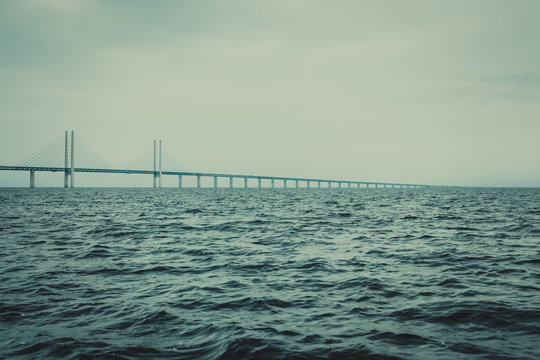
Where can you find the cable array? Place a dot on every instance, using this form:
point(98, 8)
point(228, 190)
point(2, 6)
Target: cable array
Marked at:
point(51, 155)
point(171, 163)
point(85, 156)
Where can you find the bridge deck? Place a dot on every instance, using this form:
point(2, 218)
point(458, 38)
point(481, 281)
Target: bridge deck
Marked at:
point(202, 174)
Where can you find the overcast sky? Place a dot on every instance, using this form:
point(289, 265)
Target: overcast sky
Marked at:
point(436, 92)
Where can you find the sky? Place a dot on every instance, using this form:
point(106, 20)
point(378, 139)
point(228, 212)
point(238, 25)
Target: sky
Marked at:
point(428, 92)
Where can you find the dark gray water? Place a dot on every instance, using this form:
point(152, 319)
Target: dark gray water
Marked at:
point(307, 274)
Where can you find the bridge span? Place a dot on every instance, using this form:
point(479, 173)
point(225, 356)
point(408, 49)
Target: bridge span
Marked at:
point(157, 172)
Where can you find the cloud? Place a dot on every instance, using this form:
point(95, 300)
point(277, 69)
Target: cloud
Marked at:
point(59, 5)
point(516, 87)
point(500, 88)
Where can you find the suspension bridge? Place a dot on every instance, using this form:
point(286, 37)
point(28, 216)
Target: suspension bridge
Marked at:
point(63, 153)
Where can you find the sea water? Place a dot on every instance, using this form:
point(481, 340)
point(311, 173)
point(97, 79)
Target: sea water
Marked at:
point(270, 273)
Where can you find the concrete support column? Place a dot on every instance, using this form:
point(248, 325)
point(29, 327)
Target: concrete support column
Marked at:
point(215, 182)
point(155, 165)
point(376, 186)
point(179, 181)
point(231, 182)
point(367, 186)
point(318, 184)
point(66, 170)
point(329, 184)
point(308, 184)
point(339, 184)
point(198, 181)
point(297, 184)
point(272, 180)
point(32, 179)
point(245, 183)
point(160, 163)
point(349, 185)
point(259, 180)
point(393, 186)
point(72, 173)
point(284, 183)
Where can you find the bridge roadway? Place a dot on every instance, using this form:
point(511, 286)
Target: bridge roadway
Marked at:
point(308, 181)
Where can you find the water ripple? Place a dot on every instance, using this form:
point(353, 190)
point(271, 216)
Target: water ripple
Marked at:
point(269, 274)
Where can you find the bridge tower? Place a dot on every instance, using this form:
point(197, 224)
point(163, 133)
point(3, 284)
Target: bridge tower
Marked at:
point(154, 182)
point(157, 166)
point(66, 170)
point(160, 163)
point(72, 159)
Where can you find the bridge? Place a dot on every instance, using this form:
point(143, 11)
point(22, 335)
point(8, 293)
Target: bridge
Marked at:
point(64, 148)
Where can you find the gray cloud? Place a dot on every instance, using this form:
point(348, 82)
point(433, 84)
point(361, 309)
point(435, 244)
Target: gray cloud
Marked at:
point(518, 87)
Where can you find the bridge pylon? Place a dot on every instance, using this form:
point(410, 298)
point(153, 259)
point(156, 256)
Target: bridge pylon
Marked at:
point(66, 171)
point(72, 172)
point(160, 172)
point(157, 165)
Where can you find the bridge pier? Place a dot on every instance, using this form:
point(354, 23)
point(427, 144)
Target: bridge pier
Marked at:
point(349, 185)
point(198, 181)
point(32, 179)
point(245, 183)
point(179, 181)
point(160, 164)
point(215, 182)
point(339, 184)
point(259, 180)
point(297, 184)
point(231, 182)
point(318, 184)
point(284, 183)
point(329, 184)
point(72, 173)
point(155, 166)
point(308, 184)
point(66, 171)
point(272, 180)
